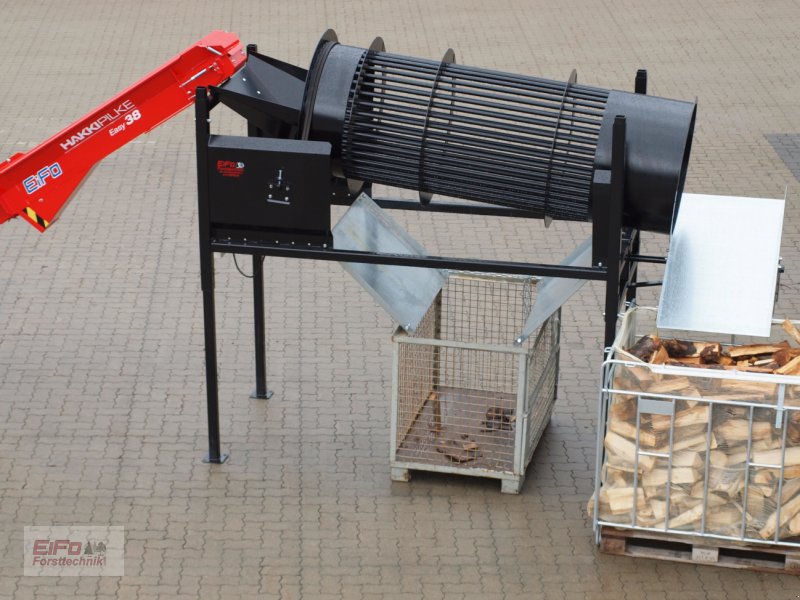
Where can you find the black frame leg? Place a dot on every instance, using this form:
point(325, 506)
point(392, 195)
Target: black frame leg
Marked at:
point(259, 326)
point(215, 454)
point(614, 250)
point(202, 131)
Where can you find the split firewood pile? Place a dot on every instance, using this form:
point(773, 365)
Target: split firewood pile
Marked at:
point(691, 471)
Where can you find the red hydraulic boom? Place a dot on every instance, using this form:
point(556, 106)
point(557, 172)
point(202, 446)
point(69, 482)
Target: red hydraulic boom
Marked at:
point(38, 184)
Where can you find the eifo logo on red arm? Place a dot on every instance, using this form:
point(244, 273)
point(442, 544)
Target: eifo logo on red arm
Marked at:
point(38, 181)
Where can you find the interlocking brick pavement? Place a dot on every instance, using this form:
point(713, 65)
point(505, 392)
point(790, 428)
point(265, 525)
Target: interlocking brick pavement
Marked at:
point(787, 145)
point(102, 404)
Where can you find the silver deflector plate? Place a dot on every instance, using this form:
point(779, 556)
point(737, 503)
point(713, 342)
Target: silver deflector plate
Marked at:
point(723, 265)
point(404, 292)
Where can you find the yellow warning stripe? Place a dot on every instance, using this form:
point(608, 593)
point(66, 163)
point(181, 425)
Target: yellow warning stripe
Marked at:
point(35, 218)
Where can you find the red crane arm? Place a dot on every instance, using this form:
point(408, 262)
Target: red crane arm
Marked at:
point(38, 184)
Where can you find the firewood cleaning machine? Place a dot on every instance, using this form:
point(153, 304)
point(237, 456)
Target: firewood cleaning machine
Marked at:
point(510, 145)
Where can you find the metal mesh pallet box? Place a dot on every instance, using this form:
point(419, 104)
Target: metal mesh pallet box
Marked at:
point(711, 455)
point(465, 398)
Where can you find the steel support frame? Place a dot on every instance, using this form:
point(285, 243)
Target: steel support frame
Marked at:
point(613, 259)
point(203, 130)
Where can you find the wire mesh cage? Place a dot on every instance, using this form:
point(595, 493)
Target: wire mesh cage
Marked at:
point(465, 399)
point(708, 453)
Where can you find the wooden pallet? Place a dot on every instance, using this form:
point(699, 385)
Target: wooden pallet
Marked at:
point(700, 551)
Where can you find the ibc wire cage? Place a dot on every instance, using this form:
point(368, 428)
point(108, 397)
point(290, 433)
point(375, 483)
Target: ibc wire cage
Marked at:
point(465, 399)
point(709, 455)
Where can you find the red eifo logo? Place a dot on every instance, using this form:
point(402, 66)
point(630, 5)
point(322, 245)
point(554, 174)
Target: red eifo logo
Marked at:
point(229, 168)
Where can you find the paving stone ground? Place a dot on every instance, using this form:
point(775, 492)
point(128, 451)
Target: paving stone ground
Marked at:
point(101, 366)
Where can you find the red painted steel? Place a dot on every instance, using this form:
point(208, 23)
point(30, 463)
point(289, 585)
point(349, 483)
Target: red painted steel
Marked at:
point(38, 184)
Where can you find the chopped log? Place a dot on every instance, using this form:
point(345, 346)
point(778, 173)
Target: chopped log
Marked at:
point(784, 355)
point(625, 451)
point(740, 397)
point(660, 357)
point(697, 490)
point(691, 392)
point(726, 361)
point(669, 385)
point(622, 409)
point(793, 528)
point(758, 504)
point(615, 477)
point(627, 429)
point(790, 368)
point(738, 430)
point(726, 481)
point(711, 353)
point(679, 500)
point(736, 456)
point(733, 412)
point(681, 349)
point(688, 458)
point(684, 349)
point(459, 449)
point(767, 363)
point(791, 472)
point(713, 499)
point(763, 477)
point(694, 362)
point(789, 328)
point(793, 426)
point(747, 368)
point(755, 349)
point(689, 431)
point(644, 516)
point(498, 418)
point(767, 443)
point(793, 396)
point(769, 491)
point(724, 520)
point(754, 387)
point(697, 442)
point(640, 374)
point(790, 490)
point(773, 457)
point(691, 516)
point(652, 493)
point(691, 416)
point(718, 458)
point(680, 475)
point(645, 348)
point(659, 508)
point(686, 360)
point(603, 509)
point(788, 511)
point(621, 499)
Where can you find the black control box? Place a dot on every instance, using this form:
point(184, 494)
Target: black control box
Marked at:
point(269, 190)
